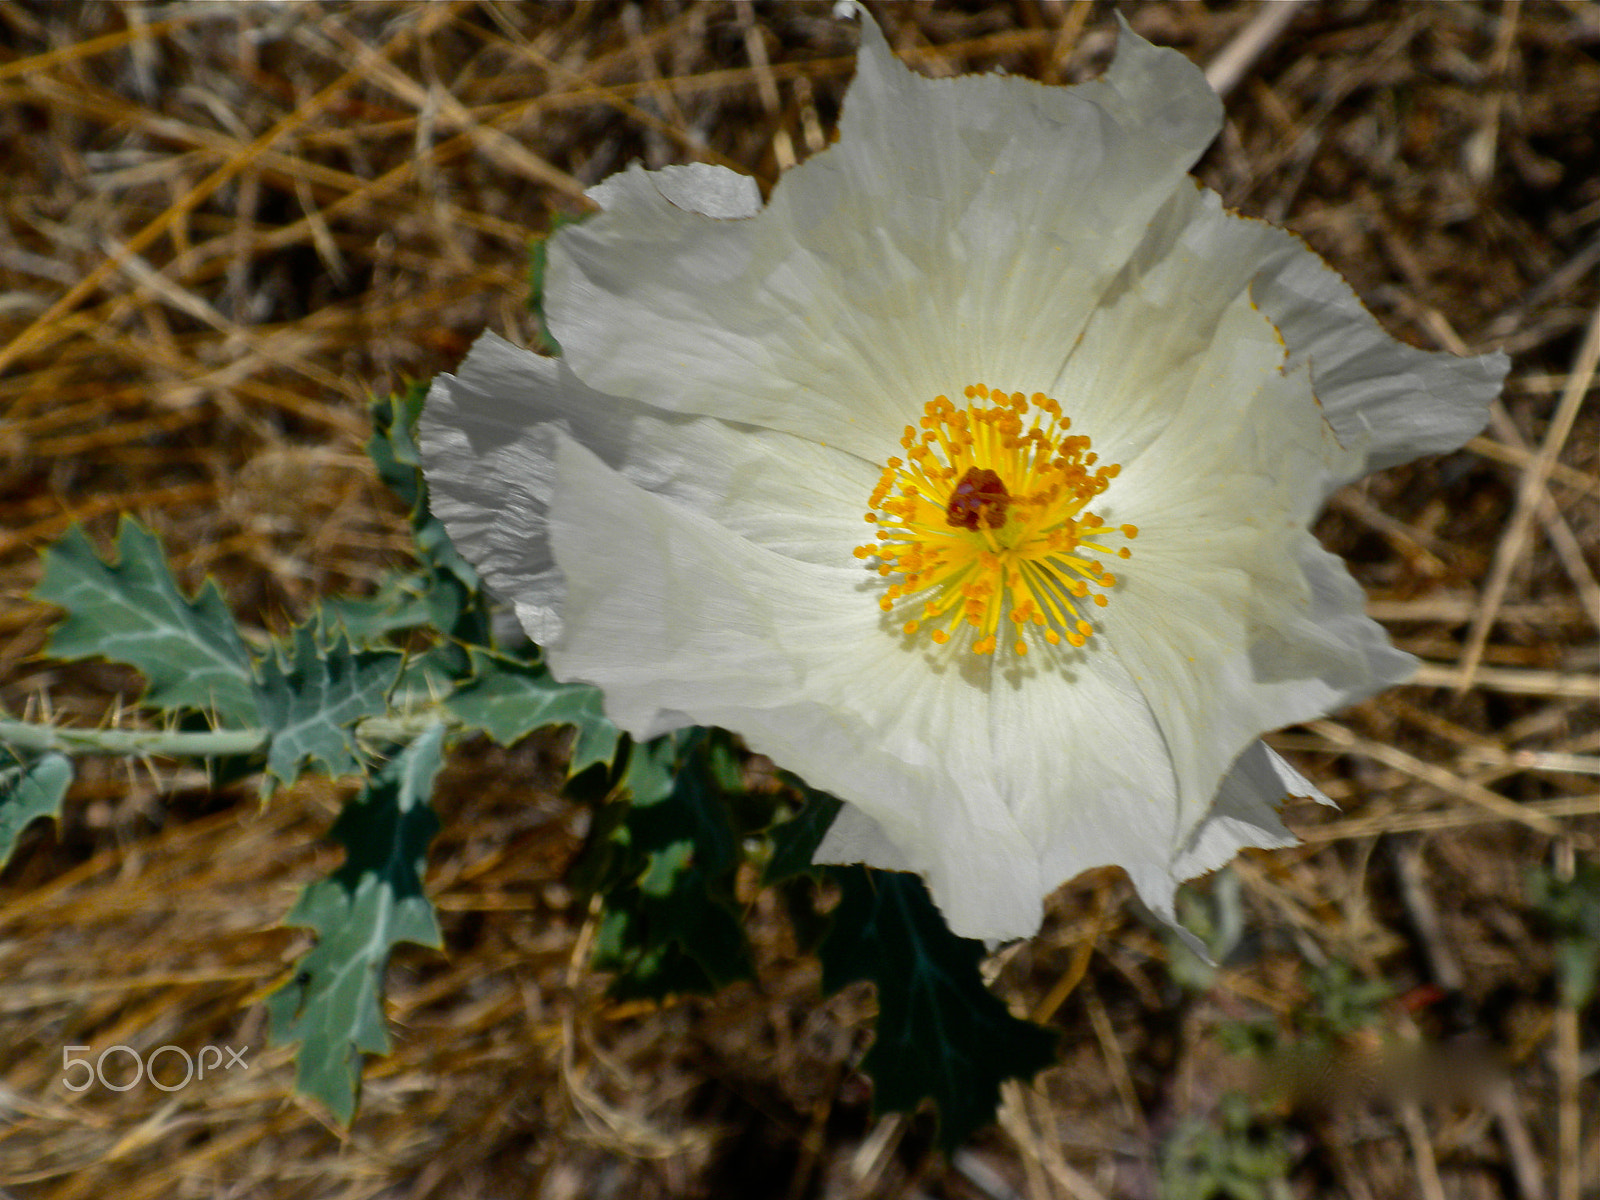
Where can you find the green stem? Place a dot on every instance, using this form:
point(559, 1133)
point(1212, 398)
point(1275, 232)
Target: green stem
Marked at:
point(168, 743)
point(209, 743)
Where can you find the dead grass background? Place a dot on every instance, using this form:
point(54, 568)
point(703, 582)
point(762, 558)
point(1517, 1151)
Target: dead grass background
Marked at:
point(226, 224)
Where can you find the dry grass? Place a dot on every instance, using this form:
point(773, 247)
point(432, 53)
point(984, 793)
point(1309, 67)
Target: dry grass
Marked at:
point(225, 225)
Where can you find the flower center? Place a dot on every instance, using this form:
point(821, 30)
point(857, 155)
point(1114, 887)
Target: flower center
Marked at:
point(986, 520)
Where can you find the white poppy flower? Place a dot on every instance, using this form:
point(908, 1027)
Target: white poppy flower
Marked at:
point(1053, 649)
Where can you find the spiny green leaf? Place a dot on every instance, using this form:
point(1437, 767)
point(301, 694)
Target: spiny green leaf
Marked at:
point(333, 1005)
point(795, 841)
point(132, 612)
point(508, 700)
point(393, 446)
point(311, 703)
point(596, 743)
point(28, 791)
point(1571, 910)
point(400, 603)
point(940, 1032)
point(672, 922)
point(427, 677)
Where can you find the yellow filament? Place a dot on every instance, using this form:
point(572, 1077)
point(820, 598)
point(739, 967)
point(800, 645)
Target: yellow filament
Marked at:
point(985, 519)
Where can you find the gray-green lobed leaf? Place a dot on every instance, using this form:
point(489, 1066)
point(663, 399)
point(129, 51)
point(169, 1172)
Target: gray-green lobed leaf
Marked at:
point(509, 700)
point(131, 612)
point(940, 1032)
point(333, 1004)
point(794, 841)
point(672, 919)
point(28, 791)
point(310, 704)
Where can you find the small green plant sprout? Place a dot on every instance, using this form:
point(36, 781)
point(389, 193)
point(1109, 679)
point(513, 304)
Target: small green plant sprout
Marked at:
point(1571, 909)
point(1228, 1155)
point(1342, 1003)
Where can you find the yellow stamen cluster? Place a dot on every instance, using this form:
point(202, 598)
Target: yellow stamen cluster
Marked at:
point(985, 519)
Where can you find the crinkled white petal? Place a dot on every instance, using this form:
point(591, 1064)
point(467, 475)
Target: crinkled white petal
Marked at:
point(486, 453)
point(1216, 550)
point(487, 437)
point(1244, 815)
point(955, 221)
point(1395, 401)
point(1388, 401)
point(1062, 748)
point(703, 188)
point(1227, 615)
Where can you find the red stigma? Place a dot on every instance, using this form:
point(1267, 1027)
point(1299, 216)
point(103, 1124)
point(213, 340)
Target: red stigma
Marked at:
point(979, 499)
